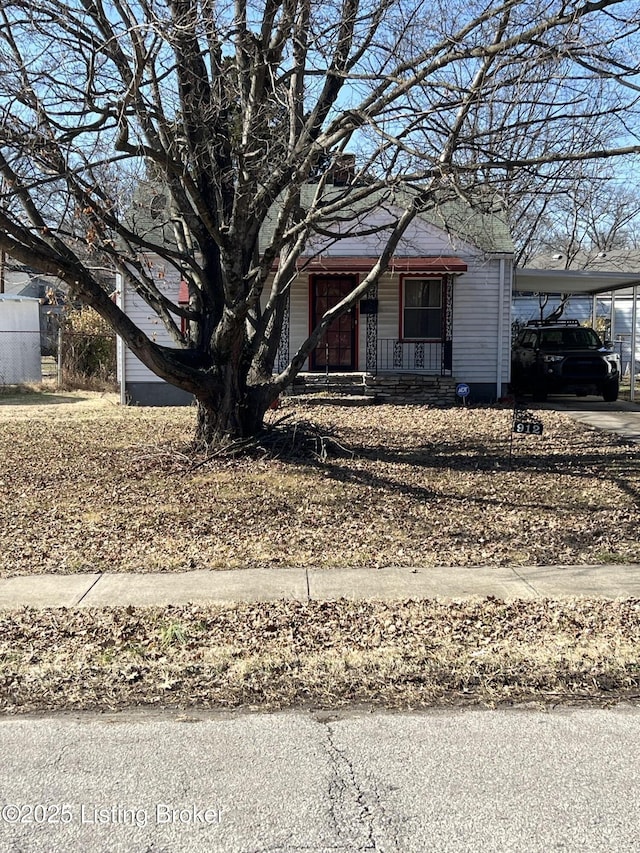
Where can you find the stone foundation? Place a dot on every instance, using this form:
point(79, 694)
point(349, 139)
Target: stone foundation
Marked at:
point(412, 388)
point(395, 388)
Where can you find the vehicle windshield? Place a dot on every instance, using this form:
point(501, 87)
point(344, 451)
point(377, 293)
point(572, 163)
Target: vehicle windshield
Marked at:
point(576, 337)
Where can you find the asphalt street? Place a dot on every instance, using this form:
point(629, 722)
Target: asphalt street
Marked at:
point(454, 780)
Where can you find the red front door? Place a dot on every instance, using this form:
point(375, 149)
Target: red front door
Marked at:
point(337, 349)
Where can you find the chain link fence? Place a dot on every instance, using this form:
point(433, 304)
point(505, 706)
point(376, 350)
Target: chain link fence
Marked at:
point(74, 348)
point(77, 360)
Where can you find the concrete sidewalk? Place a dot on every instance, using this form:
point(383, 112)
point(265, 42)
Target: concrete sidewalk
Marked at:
point(106, 590)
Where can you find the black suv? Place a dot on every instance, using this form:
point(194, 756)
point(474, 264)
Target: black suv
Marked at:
point(563, 356)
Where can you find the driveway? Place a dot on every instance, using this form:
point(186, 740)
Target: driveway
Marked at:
point(621, 417)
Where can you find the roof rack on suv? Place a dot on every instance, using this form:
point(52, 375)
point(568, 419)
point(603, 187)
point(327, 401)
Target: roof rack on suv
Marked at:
point(553, 323)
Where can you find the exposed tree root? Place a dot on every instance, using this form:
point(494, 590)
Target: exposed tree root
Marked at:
point(284, 439)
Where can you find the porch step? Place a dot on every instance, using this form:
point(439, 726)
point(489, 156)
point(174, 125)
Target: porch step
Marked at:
point(364, 389)
point(335, 384)
point(335, 399)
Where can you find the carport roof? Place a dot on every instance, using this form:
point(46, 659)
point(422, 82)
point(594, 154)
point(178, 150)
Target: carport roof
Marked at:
point(572, 281)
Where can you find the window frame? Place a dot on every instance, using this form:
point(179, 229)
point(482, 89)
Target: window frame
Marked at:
point(441, 308)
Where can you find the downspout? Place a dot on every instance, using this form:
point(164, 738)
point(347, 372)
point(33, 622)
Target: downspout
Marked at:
point(121, 349)
point(123, 384)
point(500, 342)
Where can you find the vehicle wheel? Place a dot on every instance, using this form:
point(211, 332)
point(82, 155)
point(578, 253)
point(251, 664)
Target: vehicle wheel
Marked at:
point(610, 391)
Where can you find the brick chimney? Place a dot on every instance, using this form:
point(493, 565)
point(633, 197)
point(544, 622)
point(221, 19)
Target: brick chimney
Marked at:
point(343, 170)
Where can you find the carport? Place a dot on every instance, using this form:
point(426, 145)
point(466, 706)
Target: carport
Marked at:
point(582, 283)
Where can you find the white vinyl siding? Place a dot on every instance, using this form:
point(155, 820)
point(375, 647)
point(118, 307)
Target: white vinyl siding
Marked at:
point(476, 321)
point(148, 321)
point(299, 316)
point(421, 239)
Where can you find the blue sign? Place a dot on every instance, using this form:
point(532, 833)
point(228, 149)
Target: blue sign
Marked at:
point(462, 389)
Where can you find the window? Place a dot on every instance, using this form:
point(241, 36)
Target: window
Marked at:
point(422, 308)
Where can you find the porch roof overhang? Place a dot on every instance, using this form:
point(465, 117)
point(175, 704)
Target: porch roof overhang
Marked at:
point(437, 264)
point(572, 281)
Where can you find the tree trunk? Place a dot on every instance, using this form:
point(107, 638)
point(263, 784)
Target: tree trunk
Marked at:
point(228, 417)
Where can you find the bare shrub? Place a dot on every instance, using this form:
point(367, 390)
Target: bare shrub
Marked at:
point(88, 356)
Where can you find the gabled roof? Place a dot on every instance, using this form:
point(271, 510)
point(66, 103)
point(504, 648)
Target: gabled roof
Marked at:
point(478, 225)
point(21, 280)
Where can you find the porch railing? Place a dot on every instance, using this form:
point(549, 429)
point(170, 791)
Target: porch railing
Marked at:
point(395, 356)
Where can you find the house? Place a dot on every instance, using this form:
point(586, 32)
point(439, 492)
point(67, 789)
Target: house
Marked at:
point(438, 316)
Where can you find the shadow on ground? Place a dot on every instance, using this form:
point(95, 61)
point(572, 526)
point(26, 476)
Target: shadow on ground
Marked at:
point(13, 397)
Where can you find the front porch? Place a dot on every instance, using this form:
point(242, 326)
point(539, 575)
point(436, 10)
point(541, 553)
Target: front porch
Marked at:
point(379, 335)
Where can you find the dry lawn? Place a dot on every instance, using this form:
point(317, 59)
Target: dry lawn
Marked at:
point(86, 485)
point(408, 654)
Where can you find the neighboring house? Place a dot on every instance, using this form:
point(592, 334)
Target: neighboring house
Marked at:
point(440, 314)
point(615, 260)
point(19, 280)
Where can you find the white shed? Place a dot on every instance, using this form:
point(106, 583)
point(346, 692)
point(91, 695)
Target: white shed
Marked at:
point(19, 340)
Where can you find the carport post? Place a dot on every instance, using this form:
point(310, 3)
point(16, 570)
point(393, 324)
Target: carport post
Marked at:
point(634, 315)
point(59, 359)
point(612, 315)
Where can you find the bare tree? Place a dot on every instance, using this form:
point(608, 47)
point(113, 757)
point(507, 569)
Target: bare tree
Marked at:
point(579, 208)
point(233, 111)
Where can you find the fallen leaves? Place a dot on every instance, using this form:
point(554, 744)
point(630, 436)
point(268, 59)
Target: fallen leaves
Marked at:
point(114, 489)
point(326, 654)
